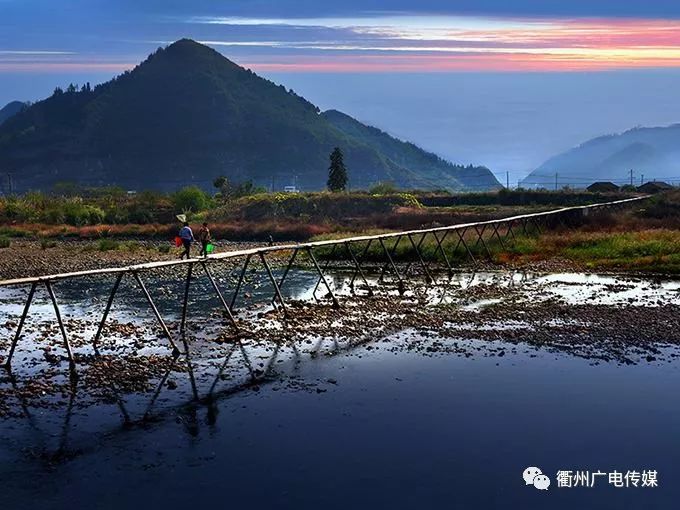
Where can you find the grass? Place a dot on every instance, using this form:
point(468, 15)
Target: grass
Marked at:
point(5, 242)
point(47, 243)
point(647, 250)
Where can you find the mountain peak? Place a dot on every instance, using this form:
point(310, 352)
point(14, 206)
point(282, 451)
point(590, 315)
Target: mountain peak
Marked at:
point(189, 46)
point(189, 52)
point(187, 114)
point(11, 109)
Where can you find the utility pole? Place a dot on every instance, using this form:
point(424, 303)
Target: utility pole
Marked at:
point(642, 179)
point(507, 180)
point(555, 181)
point(631, 176)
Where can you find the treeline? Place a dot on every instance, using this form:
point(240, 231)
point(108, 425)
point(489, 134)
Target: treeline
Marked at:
point(70, 204)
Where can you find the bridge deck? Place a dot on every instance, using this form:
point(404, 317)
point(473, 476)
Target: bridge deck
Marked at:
point(316, 244)
point(136, 271)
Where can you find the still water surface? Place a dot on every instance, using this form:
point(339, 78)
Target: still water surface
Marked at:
point(368, 427)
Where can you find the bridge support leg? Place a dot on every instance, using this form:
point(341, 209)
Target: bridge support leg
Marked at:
point(362, 256)
point(500, 239)
point(27, 306)
point(420, 243)
point(358, 269)
point(67, 345)
point(389, 255)
point(160, 320)
point(240, 282)
point(277, 291)
point(428, 276)
point(510, 232)
point(394, 266)
point(220, 296)
point(109, 303)
point(480, 238)
point(440, 249)
point(185, 308)
point(336, 304)
point(461, 240)
point(286, 271)
point(325, 266)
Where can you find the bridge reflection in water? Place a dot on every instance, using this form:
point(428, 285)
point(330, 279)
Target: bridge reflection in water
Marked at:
point(131, 382)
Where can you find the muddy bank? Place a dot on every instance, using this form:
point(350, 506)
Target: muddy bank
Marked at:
point(26, 258)
point(626, 333)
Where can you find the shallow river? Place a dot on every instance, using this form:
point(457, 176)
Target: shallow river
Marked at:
point(337, 425)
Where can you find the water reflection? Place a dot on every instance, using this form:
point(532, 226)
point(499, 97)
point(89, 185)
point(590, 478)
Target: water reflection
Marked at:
point(189, 386)
point(134, 382)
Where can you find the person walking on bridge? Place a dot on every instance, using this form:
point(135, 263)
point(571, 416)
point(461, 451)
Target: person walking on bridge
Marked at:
point(205, 238)
point(187, 237)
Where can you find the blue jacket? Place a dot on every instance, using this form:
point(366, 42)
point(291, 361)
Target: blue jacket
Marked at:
point(186, 234)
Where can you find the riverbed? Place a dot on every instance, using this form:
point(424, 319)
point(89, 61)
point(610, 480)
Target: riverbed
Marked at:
point(438, 397)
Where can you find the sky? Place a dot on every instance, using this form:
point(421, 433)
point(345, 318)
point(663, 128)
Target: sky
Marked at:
point(498, 82)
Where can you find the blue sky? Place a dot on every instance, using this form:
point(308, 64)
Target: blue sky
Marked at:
point(502, 83)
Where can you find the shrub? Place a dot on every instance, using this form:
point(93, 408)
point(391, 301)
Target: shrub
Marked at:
point(5, 242)
point(55, 216)
point(164, 248)
point(107, 245)
point(77, 213)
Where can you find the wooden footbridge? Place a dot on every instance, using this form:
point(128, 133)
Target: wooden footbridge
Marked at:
point(356, 250)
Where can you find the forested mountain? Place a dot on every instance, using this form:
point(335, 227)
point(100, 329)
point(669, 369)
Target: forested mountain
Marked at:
point(188, 114)
point(650, 152)
point(10, 109)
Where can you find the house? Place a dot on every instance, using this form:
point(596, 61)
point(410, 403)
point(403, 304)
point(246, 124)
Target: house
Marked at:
point(654, 187)
point(603, 187)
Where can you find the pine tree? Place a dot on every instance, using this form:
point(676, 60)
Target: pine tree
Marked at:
point(337, 173)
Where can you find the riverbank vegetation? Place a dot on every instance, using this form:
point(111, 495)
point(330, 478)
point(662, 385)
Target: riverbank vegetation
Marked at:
point(645, 237)
point(248, 213)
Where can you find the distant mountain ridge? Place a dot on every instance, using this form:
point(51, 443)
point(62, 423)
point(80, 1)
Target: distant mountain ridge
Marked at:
point(410, 156)
point(187, 114)
point(650, 152)
point(11, 109)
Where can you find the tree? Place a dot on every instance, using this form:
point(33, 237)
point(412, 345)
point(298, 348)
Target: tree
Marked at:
point(191, 198)
point(231, 191)
point(220, 182)
point(337, 173)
